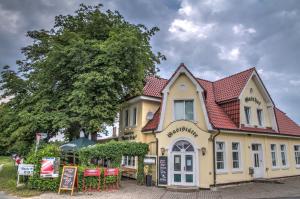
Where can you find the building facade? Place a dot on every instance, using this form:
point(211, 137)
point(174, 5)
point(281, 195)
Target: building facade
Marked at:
point(211, 133)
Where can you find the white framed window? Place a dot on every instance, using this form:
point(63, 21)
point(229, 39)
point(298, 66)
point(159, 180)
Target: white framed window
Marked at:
point(126, 118)
point(274, 155)
point(297, 155)
point(247, 114)
point(260, 117)
point(283, 155)
point(128, 161)
point(220, 156)
point(134, 116)
point(236, 156)
point(184, 109)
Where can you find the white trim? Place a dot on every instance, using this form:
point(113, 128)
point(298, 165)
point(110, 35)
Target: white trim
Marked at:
point(184, 100)
point(286, 166)
point(142, 97)
point(240, 169)
point(259, 134)
point(165, 91)
point(225, 169)
point(128, 117)
point(297, 165)
point(276, 157)
point(196, 160)
point(262, 156)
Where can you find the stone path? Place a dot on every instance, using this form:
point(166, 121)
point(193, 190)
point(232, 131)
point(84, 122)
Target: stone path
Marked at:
point(129, 190)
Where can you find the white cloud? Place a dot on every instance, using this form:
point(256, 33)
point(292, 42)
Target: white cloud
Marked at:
point(230, 55)
point(295, 82)
point(186, 9)
point(240, 29)
point(215, 5)
point(185, 30)
point(210, 75)
point(9, 20)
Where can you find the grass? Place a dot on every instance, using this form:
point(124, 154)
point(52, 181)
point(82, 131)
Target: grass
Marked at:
point(8, 180)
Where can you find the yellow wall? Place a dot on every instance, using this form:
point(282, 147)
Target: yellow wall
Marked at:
point(176, 93)
point(205, 166)
point(246, 157)
point(254, 106)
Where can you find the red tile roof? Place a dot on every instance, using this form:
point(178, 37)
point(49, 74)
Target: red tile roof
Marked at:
point(231, 87)
point(285, 124)
point(152, 124)
point(153, 86)
point(221, 91)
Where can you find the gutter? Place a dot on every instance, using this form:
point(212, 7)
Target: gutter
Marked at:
point(214, 156)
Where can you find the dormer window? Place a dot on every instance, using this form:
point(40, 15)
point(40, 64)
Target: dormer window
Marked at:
point(184, 109)
point(259, 117)
point(247, 114)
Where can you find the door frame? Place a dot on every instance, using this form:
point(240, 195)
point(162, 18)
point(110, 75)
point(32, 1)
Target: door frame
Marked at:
point(196, 160)
point(262, 156)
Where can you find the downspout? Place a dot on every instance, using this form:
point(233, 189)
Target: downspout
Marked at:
point(214, 156)
point(156, 157)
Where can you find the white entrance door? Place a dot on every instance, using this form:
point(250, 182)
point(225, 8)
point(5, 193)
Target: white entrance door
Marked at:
point(258, 163)
point(183, 164)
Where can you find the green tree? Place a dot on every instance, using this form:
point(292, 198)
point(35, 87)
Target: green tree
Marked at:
point(75, 76)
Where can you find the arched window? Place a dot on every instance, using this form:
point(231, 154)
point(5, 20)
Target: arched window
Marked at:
point(182, 145)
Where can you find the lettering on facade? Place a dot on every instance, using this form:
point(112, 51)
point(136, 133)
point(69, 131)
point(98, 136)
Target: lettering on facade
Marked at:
point(182, 129)
point(252, 99)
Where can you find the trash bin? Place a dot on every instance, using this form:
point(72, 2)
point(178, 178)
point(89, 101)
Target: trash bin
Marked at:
point(148, 180)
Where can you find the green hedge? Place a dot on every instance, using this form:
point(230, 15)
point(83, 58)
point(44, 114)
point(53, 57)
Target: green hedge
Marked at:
point(114, 151)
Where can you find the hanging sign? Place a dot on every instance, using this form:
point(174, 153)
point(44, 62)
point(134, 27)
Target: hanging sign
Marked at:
point(50, 167)
point(25, 169)
point(149, 160)
point(182, 129)
point(163, 170)
point(68, 179)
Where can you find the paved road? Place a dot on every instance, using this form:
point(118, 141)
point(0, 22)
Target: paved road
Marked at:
point(4, 196)
point(289, 189)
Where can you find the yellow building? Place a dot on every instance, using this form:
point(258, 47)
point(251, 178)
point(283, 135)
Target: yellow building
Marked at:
point(207, 133)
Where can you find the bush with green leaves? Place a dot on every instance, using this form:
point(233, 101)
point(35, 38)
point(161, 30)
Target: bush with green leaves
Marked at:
point(36, 182)
point(114, 151)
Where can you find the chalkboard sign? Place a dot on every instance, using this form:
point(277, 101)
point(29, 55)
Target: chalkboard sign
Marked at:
point(163, 170)
point(68, 179)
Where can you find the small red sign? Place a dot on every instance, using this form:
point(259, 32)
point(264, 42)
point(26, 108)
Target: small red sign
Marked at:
point(111, 172)
point(92, 172)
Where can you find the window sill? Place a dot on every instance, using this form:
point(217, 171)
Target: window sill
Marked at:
point(275, 168)
point(297, 166)
point(285, 168)
point(221, 172)
point(237, 171)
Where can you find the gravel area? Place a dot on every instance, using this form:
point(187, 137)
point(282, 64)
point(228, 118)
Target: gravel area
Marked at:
point(290, 188)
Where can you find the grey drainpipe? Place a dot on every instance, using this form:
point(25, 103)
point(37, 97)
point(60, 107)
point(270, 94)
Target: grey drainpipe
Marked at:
point(156, 157)
point(214, 156)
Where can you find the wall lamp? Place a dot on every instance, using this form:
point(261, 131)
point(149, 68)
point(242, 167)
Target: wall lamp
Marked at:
point(162, 150)
point(203, 150)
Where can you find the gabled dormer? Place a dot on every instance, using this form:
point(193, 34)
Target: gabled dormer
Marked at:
point(256, 105)
point(183, 99)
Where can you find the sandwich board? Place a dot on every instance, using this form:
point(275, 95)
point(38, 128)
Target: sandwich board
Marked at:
point(68, 179)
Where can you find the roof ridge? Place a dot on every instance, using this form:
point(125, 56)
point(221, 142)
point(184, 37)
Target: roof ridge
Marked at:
point(252, 68)
point(204, 80)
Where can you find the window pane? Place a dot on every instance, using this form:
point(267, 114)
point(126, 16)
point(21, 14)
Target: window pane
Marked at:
point(177, 162)
point(259, 117)
point(177, 178)
point(235, 165)
point(179, 110)
point(126, 118)
point(188, 178)
point(235, 156)
point(220, 165)
point(134, 116)
point(189, 110)
point(220, 156)
point(189, 162)
point(235, 146)
point(247, 114)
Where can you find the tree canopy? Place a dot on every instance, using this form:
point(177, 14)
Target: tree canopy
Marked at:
point(75, 76)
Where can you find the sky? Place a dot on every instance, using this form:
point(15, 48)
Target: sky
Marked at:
point(214, 38)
